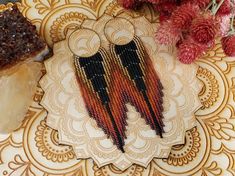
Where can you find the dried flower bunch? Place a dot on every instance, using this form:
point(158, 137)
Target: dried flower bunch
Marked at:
point(193, 25)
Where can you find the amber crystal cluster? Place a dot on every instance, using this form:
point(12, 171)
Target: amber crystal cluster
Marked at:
point(18, 40)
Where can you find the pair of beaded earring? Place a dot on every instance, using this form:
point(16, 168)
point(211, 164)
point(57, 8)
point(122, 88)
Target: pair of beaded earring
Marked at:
point(110, 80)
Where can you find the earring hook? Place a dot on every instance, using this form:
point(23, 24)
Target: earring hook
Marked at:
point(84, 42)
point(119, 31)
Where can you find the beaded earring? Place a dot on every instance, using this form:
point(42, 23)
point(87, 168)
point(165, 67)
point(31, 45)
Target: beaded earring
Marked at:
point(129, 54)
point(92, 67)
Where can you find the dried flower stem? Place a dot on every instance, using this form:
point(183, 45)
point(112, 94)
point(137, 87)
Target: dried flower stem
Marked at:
point(209, 5)
point(232, 30)
point(216, 6)
point(232, 24)
point(233, 15)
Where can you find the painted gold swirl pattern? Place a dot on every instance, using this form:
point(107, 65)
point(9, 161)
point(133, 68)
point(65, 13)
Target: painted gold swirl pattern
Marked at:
point(215, 154)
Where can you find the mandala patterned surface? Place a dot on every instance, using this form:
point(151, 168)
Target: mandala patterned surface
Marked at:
point(208, 149)
point(142, 145)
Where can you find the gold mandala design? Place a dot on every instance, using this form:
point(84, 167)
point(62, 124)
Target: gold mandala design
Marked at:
point(43, 7)
point(210, 90)
point(183, 154)
point(187, 159)
point(7, 6)
point(111, 170)
point(47, 143)
point(143, 145)
point(217, 120)
point(20, 156)
point(221, 128)
point(114, 9)
point(152, 16)
point(38, 95)
point(215, 54)
point(42, 151)
point(65, 22)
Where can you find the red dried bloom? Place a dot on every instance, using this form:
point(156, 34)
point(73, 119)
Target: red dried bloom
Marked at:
point(201, 3)
point(224, 24)
point(165, 6)
point(204, 29)
point(225, 8)
point(158, 1)
point(228, 45)
point(130, 4)
point(182, 17)
point(166, 34)
point(163, 17)
point(165, 9)
point(189, 51)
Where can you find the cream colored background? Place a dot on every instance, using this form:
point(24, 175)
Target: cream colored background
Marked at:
point(209, 149)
